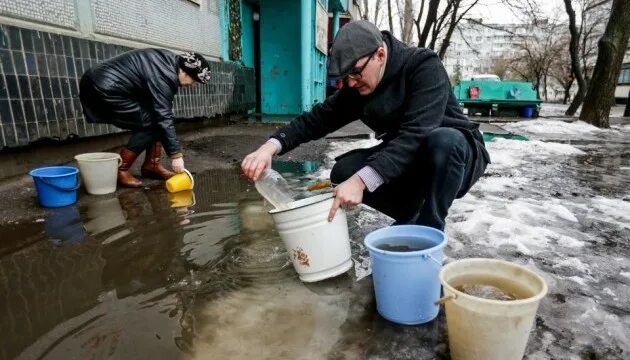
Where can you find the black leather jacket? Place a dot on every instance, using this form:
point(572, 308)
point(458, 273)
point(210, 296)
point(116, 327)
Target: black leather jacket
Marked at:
point(135, 90)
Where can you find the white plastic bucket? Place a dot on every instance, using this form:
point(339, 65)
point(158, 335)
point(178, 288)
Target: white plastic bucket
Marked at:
point(99, 171)
point(486, 329)
point(319, 249)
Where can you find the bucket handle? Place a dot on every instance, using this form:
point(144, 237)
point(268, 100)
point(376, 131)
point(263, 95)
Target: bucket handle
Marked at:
point(76, 187)
point(444, 299)
point(428, 256)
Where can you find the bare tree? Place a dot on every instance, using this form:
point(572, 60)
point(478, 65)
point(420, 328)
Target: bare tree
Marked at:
point(390, 15)
point(500, 67)
point(560, 71)
point(432, 14)
point(407, 25)
point(364, 12)
point(455, 19)
point(400, 18)
point(377, 12)
point(438, 22)
point(580, 46)
point(594, 16)
point(537, 48)
point(612, 47)
point(576, 66)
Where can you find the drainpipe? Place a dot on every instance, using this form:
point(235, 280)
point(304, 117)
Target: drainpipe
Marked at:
point(306, 47)
point(335, 23)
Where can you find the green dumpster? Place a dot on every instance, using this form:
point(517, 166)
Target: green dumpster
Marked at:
point(497, 98)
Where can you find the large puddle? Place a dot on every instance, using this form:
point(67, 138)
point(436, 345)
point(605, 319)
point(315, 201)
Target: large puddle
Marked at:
point(128, 276)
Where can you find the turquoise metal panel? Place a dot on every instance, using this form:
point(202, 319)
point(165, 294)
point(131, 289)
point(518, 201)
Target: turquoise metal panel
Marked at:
point(318, 63)
point(337, 5)
point(225, 29)
point(247, 38)
point(307, 17)
point(280, 68)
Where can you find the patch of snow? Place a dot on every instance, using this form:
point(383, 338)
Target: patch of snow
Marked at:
point(362, 267)
point(506, 153)
point(500, 184)
point(556, 127)
point(341, 147)
point(568, 241)
point(577, 279)
point(625, 274)
point(613, 210)
point(527, 224)
point(573, 263)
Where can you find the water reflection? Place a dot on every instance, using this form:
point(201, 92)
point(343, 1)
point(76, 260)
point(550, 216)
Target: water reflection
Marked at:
point(63, 226)
point(103, 214)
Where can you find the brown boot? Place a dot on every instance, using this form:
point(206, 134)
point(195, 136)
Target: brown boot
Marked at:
point(152, 168)
point(124, 175)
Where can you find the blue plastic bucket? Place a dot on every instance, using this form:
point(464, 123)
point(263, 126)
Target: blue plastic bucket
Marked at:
point(527, 112)
point(406, 284)
point(56, 185)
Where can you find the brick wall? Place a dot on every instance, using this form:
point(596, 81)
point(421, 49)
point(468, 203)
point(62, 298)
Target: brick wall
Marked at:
point(39, 75)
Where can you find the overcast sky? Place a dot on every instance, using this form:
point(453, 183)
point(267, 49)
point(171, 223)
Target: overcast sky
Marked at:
point(492, 11)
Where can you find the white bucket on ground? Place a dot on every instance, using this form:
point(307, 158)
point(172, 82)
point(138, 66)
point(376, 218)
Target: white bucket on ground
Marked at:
point(490, 329)
point(319, 249)
point(99, 171)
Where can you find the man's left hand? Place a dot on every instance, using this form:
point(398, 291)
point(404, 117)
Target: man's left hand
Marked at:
point(347, 194)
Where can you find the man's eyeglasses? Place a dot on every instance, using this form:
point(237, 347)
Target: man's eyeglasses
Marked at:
point(357, 74)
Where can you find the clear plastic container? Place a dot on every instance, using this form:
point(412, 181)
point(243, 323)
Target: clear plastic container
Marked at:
point(275, 189)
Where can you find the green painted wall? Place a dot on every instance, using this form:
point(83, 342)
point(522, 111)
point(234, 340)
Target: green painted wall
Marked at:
point(280, 57)
point(247, 29)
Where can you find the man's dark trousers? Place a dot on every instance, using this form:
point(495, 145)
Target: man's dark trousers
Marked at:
point(422, 195)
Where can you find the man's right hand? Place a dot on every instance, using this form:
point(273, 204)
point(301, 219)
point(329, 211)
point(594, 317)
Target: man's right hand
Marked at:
point(255, 163)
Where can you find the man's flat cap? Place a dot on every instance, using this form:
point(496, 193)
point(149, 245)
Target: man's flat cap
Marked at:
point(353, 41)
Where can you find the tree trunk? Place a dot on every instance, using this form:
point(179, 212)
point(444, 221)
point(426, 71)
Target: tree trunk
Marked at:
point(576, 68)
point(446, 42)
point(389, 12)
point(366, 10)
point(407, 21)
point(545, 84)
point(400, 18)
point(428, 23)
point(612, 47)
point(626, 112)
point(567, 91)
point(377, 11)
point(537, 86)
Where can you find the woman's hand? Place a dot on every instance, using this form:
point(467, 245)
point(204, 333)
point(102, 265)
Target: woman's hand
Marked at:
point(255, 163)
point(178, 165)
